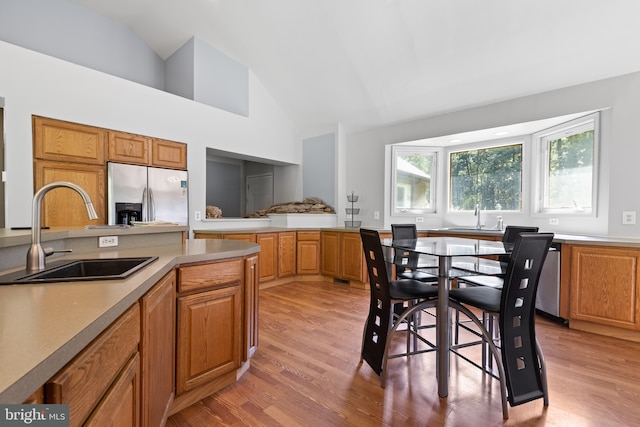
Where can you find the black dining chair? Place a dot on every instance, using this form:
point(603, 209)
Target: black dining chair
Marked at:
point(383, 321)
point(409, 264)
point(519, 359)
point(406, 263)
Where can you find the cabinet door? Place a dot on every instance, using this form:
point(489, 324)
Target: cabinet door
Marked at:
point(168, 154)
point(157, 350)
point(251, 301)
point(68, 142)
point(604, 285)
point(128, 148)
point(209, 336)
point(352, 263)
point(286, 254)
point(85, 380)
point(308, 252)
point(121, 405)
point(330, 251)
point(268, 256)
point(63, 207)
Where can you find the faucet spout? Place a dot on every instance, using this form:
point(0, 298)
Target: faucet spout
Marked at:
point(36, 254)
point(477, 213)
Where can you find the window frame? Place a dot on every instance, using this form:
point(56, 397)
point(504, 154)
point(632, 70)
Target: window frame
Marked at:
point(432, 152)
point(540, 141)
point(522, 141)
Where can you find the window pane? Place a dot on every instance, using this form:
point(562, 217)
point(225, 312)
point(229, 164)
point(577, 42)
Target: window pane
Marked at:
point(570, 171)
point(413, 181)
point(491, 177)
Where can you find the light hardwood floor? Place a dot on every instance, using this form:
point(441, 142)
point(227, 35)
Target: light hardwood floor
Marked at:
point(306, 372)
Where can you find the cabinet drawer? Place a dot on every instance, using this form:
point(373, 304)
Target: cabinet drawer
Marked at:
point(84, 381)
point(309, 235)
point(209, 275)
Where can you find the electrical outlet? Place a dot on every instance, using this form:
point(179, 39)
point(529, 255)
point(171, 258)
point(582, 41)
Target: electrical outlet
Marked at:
point(197, 215)
point(629, 217)
point(107, 241)
point(419, 219)
point(376, 214)
point(554, 221)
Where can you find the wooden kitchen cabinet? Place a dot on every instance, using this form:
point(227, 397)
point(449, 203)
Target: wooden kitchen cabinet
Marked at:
point(157, 351)
point(209, 317)
point(286, 254)
point(63, 207)
point(251, 304)
point(168, 154)
point(604, 289)
point(343, 258)
point(128, 148)
point(352, 262)
point(268, 256)
point(62, 141)
point(103, 379)
point(308, 252)
point(330, 250)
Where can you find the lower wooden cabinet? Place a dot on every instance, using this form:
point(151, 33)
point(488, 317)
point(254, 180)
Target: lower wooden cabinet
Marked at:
point(268, 256)
point(604, 286)
point(286, 254)
point(251, 305)
point(103, 379)
point(343, 258)
point(157, 350)
point(308, 252)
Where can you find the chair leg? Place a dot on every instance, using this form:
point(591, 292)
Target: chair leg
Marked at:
point(543, 373)
point(494, 351)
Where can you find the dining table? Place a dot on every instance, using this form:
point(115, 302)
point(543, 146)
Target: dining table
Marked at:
point(446, 249)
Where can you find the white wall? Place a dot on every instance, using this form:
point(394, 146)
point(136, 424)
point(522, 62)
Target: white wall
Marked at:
point(35, 84)
point(619, 155)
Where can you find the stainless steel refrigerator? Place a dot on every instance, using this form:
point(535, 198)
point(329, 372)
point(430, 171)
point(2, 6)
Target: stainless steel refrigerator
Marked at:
point(149, 194)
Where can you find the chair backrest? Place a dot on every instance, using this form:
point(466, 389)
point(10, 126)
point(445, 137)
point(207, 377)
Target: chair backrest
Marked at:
point(404, 260)
point(403, 232)
point(517, 317)
point(511, 233)
point(375, 336)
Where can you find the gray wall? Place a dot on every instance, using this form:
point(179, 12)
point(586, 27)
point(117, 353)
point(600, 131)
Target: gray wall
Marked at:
point(69, 31)
point(319, 168)
point(619, 151)
point(225, 187)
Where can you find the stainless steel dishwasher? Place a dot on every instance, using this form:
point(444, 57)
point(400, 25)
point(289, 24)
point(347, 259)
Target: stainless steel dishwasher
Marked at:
point(548, 296)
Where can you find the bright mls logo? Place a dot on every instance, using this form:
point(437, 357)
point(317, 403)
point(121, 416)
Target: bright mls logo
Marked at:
point(34, 415)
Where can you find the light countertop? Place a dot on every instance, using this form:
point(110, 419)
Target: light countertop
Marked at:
point(43, 326)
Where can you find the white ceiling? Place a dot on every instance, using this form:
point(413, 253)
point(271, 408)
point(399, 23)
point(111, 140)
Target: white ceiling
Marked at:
point(367, 63)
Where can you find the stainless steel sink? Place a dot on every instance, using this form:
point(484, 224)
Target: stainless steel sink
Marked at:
point(81, 270)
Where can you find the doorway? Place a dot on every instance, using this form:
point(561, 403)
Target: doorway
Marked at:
point(259, 192)
point(2, 218)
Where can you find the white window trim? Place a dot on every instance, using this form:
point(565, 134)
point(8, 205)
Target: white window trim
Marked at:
point(540, 168)
point(421, 150)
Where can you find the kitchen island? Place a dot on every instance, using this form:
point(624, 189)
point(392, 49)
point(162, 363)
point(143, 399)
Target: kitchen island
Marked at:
point(44, 326)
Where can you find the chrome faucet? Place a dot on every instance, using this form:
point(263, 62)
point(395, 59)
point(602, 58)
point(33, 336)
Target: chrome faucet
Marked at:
point(477, 213)
point(36, 254)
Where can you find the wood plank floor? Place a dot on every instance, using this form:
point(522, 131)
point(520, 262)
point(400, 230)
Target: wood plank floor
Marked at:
point(306, 372)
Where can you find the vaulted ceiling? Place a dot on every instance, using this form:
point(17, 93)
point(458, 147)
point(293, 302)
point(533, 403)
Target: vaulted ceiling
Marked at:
point(366, 63)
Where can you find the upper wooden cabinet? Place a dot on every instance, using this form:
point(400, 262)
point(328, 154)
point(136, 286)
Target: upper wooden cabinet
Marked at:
point(143, 150)
point(129, 148)
point(68, 142)
point(168, 154)
point(63, 207)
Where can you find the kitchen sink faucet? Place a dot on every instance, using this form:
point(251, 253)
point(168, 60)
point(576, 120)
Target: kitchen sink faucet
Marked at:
point(477, 213)
point(36, 254)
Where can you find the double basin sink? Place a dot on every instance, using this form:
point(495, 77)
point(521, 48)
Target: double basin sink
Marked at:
point(81, 270)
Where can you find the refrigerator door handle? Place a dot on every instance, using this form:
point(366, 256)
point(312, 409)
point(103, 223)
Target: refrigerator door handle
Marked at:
point(152, 206)
point(145, 207)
